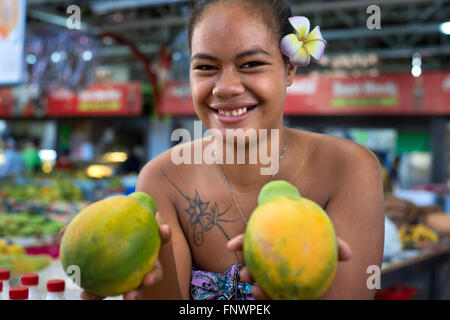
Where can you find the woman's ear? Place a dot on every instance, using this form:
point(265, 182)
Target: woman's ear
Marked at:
point(290, 73)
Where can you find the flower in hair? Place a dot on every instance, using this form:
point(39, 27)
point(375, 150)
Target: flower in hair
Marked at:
point(298, 47)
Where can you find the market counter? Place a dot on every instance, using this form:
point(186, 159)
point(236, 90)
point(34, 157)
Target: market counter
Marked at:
point(428, 269)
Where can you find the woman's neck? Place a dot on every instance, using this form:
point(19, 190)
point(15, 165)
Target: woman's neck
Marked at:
point(253, 162)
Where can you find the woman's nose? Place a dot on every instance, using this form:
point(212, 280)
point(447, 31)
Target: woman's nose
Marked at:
point(228, 84)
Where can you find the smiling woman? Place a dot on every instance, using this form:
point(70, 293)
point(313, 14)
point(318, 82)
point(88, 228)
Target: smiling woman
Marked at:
point(239, 77)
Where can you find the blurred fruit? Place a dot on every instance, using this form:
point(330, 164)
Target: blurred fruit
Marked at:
point(24, 224)
point(59, 189)
point(3, 246)
point(14, 248)
point(416, 234)
point(20, 263)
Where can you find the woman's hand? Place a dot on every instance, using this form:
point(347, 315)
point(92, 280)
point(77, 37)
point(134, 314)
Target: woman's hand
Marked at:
point(236, 244)
point(151, 278)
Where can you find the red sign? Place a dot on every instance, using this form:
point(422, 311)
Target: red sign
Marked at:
point(387, 94)
point(111, 99)
point(6, 102)
point(437, 92)
point(176, 99)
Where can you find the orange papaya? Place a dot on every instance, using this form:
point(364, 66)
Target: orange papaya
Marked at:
point(114, 242)
point(290, 245)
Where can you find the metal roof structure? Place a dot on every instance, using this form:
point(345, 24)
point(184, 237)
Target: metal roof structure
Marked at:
point(407, 27)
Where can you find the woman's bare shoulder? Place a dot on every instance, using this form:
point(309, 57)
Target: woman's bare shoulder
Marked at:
point(165, 168)
point(338, 156)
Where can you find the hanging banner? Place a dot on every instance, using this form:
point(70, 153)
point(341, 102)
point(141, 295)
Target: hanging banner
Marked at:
point(176, 99)
point(437, 92)
point(328, 95)
point(108, 99)
point(387, 94)
point(6, 102)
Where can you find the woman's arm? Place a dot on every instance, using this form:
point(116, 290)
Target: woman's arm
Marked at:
point(175, 256)
point(356, 208)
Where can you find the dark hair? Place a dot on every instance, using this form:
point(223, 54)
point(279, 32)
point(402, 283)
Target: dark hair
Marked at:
point(276, 14)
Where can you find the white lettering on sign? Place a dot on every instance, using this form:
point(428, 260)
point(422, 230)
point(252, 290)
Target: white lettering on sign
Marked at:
point(63, 94)
point(366, 88)
point(373, 88)
point(446, 83)
point(181, 91)
point(346, 89)
point(304, 86)
point(101, 95)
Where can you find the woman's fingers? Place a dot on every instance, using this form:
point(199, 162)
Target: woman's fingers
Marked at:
point(259, 294)
point(245, 276)
point(164, 229)
point(153, 276)
point(345, 253)
point(236, 243)
point(150, 279)
point(89, 296)
point(132, 295)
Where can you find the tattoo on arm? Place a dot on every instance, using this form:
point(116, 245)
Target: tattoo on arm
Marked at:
point(202, 216)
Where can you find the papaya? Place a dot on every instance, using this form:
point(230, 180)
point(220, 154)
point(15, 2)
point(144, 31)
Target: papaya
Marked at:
point(114, 242)
point(3, 246)
point(15, 248)
point(290, 245)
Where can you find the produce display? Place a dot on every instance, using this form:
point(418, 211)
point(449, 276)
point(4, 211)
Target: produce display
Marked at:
point(20, 263)
point(417, 225)
point(56, 189)
point(14, 258)
point(24, 224)
point(292, 255)
point(115, 242)
point(415, 234)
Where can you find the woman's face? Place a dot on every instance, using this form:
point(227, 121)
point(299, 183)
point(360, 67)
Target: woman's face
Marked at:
point(238, 77)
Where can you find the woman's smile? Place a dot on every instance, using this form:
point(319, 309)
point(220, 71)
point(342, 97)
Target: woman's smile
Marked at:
point(235, 112)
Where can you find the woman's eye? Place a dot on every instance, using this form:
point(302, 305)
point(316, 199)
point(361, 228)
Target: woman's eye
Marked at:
point(252, 64)
point(205, 68)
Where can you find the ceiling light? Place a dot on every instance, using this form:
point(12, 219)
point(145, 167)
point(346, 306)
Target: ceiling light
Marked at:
point(416, 71)
point(445, 27)
point(31, 59)
point(87, 55)
point(55, 57)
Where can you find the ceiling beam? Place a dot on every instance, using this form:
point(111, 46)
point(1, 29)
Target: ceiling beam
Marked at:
point(351, 4)
point(413, 29)
point(61, 21)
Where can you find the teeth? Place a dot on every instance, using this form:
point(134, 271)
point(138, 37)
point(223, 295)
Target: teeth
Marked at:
point(233, 113)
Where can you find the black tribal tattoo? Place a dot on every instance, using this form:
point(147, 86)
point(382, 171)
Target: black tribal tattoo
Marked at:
point(202, 216)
